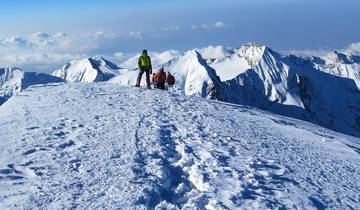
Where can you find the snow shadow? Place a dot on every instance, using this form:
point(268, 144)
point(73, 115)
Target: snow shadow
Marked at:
point(173, 185)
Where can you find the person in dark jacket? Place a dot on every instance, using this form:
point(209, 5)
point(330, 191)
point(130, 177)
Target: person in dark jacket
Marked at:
point(145, 66)
point(170, 80)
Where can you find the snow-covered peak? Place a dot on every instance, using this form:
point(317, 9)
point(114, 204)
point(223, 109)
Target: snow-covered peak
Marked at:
point(338, 58)
point(251, 52)
point(103, 63)
point(14, 80)
point(93, 69)
point(239, 60)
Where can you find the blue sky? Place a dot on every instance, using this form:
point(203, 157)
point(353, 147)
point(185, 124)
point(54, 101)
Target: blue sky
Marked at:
point(285, 24)
point(131, 25)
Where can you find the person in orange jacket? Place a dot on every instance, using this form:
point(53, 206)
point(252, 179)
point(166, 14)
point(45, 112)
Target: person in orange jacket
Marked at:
point(153, 80)
point(160, 78)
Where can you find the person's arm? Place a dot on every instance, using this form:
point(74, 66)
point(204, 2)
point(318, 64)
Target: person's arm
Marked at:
point(150, 65)
point(139, 62)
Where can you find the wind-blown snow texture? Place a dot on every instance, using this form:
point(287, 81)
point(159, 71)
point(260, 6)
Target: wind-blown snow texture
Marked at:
point(101, 146)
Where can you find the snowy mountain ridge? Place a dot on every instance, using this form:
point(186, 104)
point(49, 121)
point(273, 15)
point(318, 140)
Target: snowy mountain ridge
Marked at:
point(254, 75)
point(322, 90)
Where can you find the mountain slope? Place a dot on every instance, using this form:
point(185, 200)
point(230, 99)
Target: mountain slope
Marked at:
point(14, 80)
point(292, 86)
point(140, 149)
point(339, 64)
point(258, 76)
point(88, 70)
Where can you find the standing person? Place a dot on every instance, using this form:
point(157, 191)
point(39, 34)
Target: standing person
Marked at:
point(170, 80)
point(144, 64)
point(160, 79)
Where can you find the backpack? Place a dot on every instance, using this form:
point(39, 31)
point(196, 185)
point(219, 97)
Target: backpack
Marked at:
point(161, 77)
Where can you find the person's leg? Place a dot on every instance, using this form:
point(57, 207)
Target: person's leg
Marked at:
point(147, 78)
point(138, 81)
point(162, 87)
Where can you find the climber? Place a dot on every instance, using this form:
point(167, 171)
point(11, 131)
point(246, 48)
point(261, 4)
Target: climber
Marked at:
point(170, 80)
point(144, 64)
point(160, 79)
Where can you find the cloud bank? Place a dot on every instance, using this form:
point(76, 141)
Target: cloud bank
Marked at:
point(43, 52)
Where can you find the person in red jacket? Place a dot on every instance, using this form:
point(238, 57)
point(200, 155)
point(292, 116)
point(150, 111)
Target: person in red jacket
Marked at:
point(170, 80)
point(160, 78)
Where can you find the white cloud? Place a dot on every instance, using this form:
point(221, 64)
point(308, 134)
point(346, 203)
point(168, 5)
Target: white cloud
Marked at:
point(119, 55)
point(219, 24)
point(172, 28)
point(204, 26)
point(44, 52)
point(354, 48)
point(308, 53)
point(194, 27)
point(136, 35)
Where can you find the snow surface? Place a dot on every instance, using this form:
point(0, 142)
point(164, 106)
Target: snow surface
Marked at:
point(102, 146)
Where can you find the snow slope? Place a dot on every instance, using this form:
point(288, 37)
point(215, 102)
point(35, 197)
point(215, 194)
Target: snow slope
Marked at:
point(88, 70)
point(238, 61)
point(102, 146)
point(14, 80)
point(258, 76)
point(293, 86)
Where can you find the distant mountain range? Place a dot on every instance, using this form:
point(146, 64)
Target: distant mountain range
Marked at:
point(322, 90)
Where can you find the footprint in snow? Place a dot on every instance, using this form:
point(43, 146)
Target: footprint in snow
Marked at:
point(10, 173)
